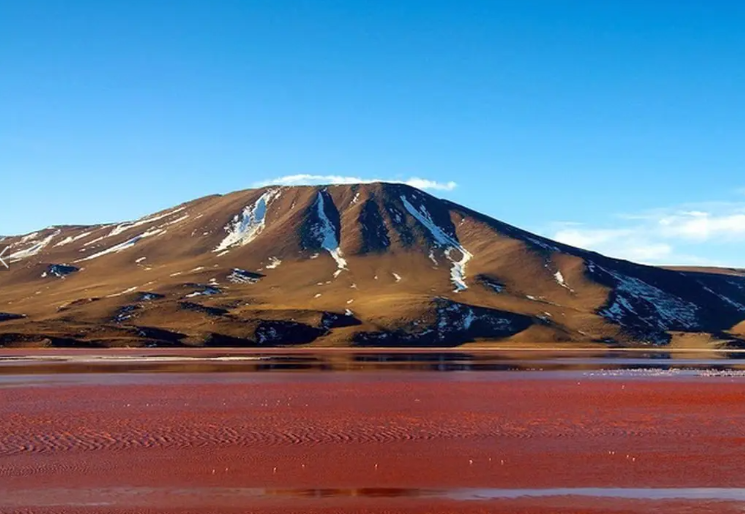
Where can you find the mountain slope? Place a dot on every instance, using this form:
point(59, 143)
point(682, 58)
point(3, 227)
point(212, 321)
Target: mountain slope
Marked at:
point(369, 264)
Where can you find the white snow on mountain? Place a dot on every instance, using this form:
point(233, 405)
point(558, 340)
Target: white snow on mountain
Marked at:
point(123, 227)
point(125, 245)
point(273, 263)
point(325, 233)
point(71, 239)
point(34, 249)
point(560, 280)
point(247, 225)
point(442, 238)
point(663, 310)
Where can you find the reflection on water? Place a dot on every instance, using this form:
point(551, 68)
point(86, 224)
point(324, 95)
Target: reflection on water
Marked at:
point(608, 363)
point(132, 496)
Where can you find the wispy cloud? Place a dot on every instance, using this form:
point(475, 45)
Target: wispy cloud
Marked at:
point(703, 226)
point(675, 235)
point(305, 179)
point(622, 243)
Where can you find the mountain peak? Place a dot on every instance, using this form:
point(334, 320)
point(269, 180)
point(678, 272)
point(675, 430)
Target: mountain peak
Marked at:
point(373, 263)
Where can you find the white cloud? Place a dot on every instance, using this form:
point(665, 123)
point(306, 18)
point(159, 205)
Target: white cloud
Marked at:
point(622, 243)
point(675, 235)
point(703, 226)
point(305, 179)
point(588, 238)
point(647, 252)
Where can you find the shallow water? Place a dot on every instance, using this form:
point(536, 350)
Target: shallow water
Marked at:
point(345, 431)
point(133, 495)
point(610, 363)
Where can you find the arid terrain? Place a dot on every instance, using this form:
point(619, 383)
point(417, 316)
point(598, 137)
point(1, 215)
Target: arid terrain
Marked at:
point(367, 265)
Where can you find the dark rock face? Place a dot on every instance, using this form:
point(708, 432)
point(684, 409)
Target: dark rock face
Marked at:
point(331, 320)
point(374, 231)
point(215, 340)
point(61, 270)
point(7, 316)
point(211, 311)
point(241, 276)
point(398, 222)
point(77, 303)
point(456, 323)
point(491, 283)
point(149, 297)
point(126, 313)
point(428, 211)
point(202, 290)
point(322, 224)
point(160, 336)
point(273, 333)
point(648, 302)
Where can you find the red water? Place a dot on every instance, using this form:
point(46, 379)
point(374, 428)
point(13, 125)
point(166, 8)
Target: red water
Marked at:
point(366, 442)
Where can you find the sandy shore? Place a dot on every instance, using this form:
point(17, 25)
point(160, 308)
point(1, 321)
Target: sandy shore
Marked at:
point(369, 443)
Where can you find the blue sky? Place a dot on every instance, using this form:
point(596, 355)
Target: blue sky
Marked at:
point(615, 125)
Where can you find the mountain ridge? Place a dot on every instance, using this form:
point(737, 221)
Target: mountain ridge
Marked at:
point(378, 264)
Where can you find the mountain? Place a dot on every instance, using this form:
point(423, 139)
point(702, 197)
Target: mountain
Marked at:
point(364, 265)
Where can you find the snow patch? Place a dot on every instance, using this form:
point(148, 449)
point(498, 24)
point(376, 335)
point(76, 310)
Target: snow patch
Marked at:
point(209, 290)
point(177, 220)
point(125, 245)
point(396, 276)
point(247, 225)
point(30, 237)
point(273, 263)
point(126, 291)
point(72, 239)
point(661, 310)
point(241, 276)
point(494, 285)
point(396, 215)
point(33, 249)
point(325, 233)
point(736, 305)
point(458, 268)
point(123, 227)
point(560, 280)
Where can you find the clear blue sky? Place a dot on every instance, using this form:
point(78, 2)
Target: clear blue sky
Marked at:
point(616, 124)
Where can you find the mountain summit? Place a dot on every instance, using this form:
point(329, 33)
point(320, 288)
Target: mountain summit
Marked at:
point(366, 265)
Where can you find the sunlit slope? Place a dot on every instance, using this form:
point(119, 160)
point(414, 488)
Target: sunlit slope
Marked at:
point(366, 265)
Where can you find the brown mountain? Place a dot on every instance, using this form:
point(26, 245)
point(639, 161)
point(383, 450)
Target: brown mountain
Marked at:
point(366, 265)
